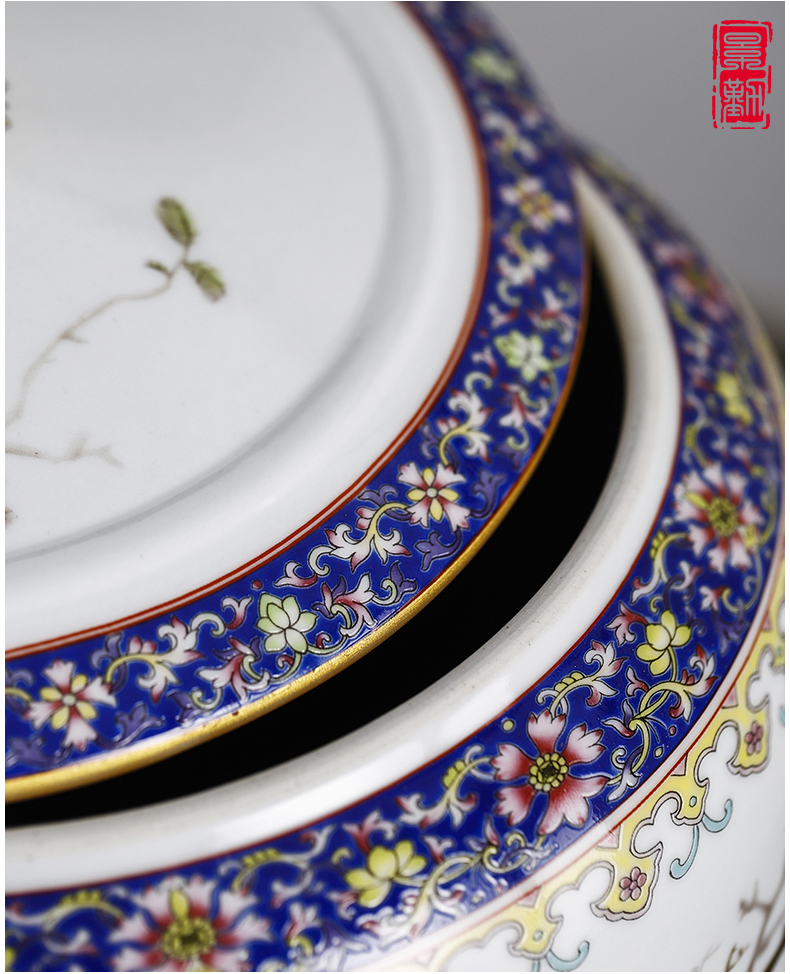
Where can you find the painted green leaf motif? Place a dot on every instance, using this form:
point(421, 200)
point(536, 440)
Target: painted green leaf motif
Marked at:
point(176, 220)
point(207, 278)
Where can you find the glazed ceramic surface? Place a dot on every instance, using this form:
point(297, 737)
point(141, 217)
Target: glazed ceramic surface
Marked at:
point(229, 380)
point(606, 758)
point(559, 787)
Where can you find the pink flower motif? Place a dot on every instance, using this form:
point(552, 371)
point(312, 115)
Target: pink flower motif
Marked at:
point(520, 412)
point(622, 622)
point(432, 496)
point(301, 918)
point(690, 574)
point(438, 847)
point(351, 606)
point(179, 927)
point(691, 280)
point(549, 773)
point(237, 671)
point(499, 317)
point(634, 684)
point(486, 356)
point(69, 703)
point(754, 739)
point(631, 885)
point(712, 596)
point(697, 684)
point(554, 315)
point(373, 822)
point(238, 607)
point(717, 513)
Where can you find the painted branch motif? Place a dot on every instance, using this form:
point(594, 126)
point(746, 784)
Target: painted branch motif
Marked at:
point(178, 223)
point(352, 888)
point(350, 575)
point(454, 835)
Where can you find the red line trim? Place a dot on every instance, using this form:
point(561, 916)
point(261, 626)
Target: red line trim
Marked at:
point(339, 812)
point(439, 385)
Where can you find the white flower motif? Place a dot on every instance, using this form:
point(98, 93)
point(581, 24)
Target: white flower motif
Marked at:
point(344, 546)
point(432, 496)
point(510, 138)
point(471, 429)
point(161, 673)
point(554, 315)
point(69, 703)
point(523, 270)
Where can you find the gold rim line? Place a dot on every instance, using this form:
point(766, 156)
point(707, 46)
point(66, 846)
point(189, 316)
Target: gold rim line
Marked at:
point(630, 807)
point(111, 766)
point(105, 767)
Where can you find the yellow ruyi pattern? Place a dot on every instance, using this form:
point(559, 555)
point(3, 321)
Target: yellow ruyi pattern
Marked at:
point(532, 916)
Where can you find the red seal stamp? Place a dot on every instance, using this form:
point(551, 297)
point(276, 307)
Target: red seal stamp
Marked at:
point(741, 74)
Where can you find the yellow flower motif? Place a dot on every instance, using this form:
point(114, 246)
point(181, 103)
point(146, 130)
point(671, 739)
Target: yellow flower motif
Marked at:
point(70, 703)
point(660, 636)
point(492, 67)
point(729, 388)
point(284, 622)
point(187, 937)
point(523, 352)
point(549, 771)
point(431, 494)
point(67, 700)
point(383, 868)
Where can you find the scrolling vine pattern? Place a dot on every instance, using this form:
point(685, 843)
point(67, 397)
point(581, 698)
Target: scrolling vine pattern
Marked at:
point(454, 835)
point(236, 647)
point(635, 864)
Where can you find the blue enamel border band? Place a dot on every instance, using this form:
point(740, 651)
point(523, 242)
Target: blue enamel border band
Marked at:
point(90, 708)
point(353, 888)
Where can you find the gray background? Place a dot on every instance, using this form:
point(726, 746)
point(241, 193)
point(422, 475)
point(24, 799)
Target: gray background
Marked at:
point(635, 80)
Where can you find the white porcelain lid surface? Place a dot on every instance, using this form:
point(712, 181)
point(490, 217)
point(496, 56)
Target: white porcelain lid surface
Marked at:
point(384, 848)
point(326, 163)
point(401, 845)
point(316, 304)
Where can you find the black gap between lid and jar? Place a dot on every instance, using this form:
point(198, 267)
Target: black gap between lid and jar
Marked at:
point(510, 568)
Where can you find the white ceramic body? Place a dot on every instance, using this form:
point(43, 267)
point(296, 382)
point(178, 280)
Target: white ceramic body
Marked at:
point(702, 908)
point(229, 426)
point(703, 830)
